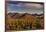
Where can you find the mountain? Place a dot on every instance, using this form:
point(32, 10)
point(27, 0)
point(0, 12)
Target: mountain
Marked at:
point(38, 14)
point(23, 15)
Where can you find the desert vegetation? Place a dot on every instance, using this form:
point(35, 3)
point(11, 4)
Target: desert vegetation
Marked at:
point(24, 22)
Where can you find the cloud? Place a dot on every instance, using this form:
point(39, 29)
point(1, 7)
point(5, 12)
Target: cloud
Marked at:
point(24, 7)
point(33, 5)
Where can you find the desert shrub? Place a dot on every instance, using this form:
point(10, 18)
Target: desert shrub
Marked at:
point(21, 24)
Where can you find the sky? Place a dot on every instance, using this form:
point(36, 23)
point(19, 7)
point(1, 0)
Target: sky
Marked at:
point(21, 7)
